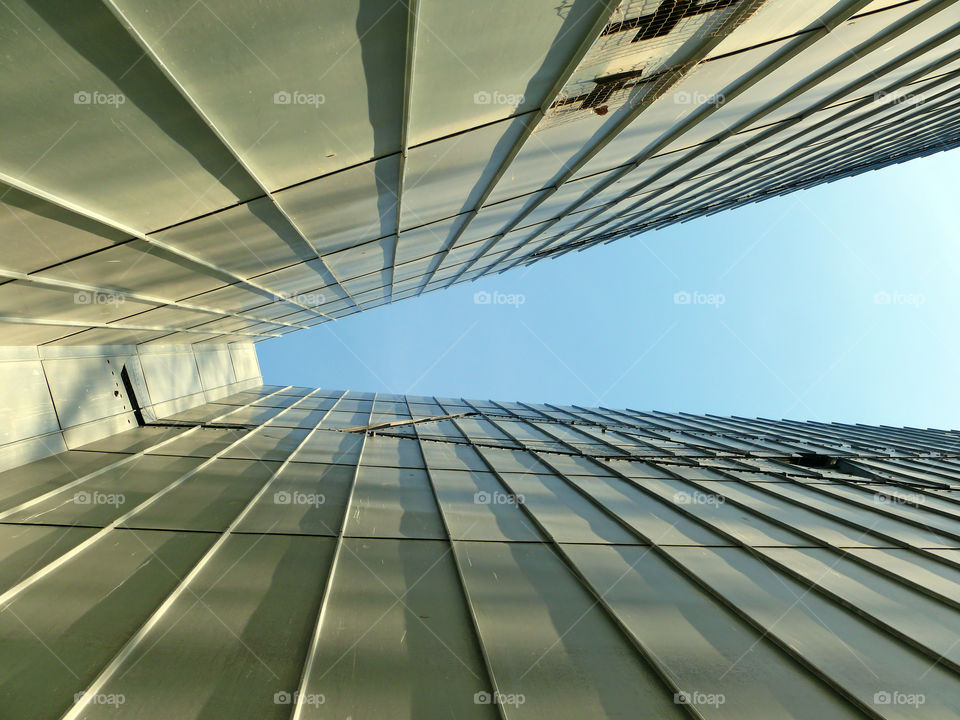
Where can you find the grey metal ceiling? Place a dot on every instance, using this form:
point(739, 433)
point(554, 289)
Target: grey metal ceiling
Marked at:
point(213, 171)
point(265, 556)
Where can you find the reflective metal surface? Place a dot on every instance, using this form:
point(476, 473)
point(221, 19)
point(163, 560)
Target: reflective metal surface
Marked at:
point(517, 561)
point(235, 170)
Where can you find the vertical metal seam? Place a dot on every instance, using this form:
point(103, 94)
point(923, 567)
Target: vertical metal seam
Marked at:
point(471, 610)
point(181, 90)
point(297, 710)
point(530, 123)
point(660, 672)
point(765, 633)
point(7, 596)
point(413, 7)
point(108, 671)
point(680, 70)
point(865, 48)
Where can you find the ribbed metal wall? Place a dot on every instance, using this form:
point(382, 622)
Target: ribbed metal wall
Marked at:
point(178, 172)
point(297, 553)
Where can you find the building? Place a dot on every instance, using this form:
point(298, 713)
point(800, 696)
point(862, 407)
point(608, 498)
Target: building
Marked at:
point(181, 180)
point(227, 171)
point(288, 552)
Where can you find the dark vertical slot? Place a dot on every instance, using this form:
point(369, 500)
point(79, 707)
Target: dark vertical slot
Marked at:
point(131, 395)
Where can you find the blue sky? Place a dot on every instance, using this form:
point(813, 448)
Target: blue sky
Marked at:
point(835, 304)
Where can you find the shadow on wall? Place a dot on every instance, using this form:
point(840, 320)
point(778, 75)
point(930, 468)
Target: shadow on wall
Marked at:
point(69, 397)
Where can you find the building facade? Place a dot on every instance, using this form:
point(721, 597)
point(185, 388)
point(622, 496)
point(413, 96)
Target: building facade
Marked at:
point(178, 173)
point(295, 553)
point(180, 180)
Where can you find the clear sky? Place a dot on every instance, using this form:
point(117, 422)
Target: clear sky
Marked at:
point(835, 304)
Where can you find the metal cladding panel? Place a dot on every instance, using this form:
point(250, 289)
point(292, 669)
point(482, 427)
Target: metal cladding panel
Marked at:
point(461, 495)
point(425, 242)
point(302, 89)
point(132, 267)
point(141, 155)
point(170, 376)
point(393, 502)
point(126, 486)
point(576, 663)
point(27, 301)
point(28, 408)
point(122, 582)
point(819, 628)
point(216, 368)
point(396, 618)
point(308, 498)
point(441, 176)
point(489, 76)
point(249, 239)
point(222, 164)
point(514, 560)
point(686, 628)
point(38, 235)
point(205, 501)
point(234, 638)
point(348, 208)
point(85, 389)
